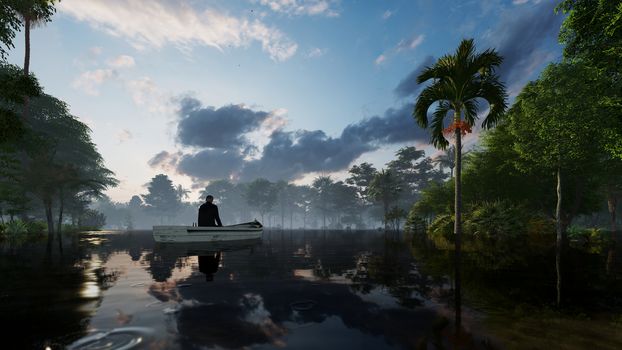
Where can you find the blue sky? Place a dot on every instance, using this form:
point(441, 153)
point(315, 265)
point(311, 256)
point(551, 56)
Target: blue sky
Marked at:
point(276, 88)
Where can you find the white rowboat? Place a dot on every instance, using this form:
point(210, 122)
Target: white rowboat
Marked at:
point(249, 230)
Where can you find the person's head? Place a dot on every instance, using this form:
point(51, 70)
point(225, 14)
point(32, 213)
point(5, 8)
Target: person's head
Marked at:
point(209, 198)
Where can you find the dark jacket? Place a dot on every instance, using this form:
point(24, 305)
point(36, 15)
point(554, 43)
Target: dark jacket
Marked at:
point(208, 215)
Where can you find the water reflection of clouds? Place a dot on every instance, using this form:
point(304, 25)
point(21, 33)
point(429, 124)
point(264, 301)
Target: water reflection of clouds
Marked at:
point(255, 307)
point(264, 314)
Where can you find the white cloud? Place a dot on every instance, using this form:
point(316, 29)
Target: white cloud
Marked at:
point(302, 7)
point(316, 52)
point(124, 135)
point(403, 45)
point(90, 81)
point(387, 14)
point(156, 23)
point(411, 43)
point(145, 92)
point(123, 61)
point(380, 59)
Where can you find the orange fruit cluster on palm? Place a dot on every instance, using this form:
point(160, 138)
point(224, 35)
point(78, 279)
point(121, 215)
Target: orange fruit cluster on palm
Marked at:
point(465, 128)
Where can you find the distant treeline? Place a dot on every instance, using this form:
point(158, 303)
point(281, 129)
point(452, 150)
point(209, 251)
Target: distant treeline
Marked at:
point(368, 198)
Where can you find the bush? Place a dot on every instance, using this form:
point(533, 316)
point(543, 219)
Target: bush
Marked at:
point(441, 231)
point(92, 219)
point(541, 232)
point(36, 227)
point(589, 239)
point(496, 220)
point(415, 224)
point(17, 227)
point(2, 228)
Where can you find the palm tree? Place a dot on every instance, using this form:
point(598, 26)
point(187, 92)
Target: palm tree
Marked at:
point(323, 186)
point(33, 13)
point(459, 82)
point(447, 160)
point(182, 193)
point(385, 188)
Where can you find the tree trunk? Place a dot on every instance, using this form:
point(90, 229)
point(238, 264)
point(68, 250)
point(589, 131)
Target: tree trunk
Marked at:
point(59, 228)
point(559, 231)
point(324, 220)
point(612, 204)
point(386, 211)
point(47, 203)
point(458, 222)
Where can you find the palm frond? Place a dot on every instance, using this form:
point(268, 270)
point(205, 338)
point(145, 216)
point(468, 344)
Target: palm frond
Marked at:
point(437, 137)
point(486, 62)
point(426, 98)
point(470, 108)
point(493, 91)
point(439, 70)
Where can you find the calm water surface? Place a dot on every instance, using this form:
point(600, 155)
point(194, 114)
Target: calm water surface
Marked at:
point(298, 290)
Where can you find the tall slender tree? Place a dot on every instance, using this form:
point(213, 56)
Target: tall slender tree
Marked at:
point(556, 123)
point(459, 82)
point(385, 188)
point(32, 13)
point(323, 187)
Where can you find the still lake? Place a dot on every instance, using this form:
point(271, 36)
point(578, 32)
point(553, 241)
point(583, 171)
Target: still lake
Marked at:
point(298, 290)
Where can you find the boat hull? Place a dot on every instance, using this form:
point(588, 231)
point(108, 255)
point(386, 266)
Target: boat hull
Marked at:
point(205, 234)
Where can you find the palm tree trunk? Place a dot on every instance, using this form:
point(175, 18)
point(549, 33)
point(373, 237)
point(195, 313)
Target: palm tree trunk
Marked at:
point(26, 64)
point(27, 46)
point(559, 231)
point(458, 222)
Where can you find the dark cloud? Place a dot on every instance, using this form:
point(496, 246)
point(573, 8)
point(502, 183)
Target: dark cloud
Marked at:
point(216, 128)
point(521, 37)
point(408, 86)
point(289, 155)
point(395, 126)
point(210, 164)
point(164, 159)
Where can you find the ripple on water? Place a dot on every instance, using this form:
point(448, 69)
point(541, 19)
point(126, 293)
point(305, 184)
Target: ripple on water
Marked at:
point(117, 339)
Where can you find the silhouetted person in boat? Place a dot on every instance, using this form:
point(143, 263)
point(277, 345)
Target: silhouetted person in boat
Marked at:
point(208, 213)
point(208, 264)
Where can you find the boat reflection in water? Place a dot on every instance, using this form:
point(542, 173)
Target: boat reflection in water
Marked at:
point(210, 256)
